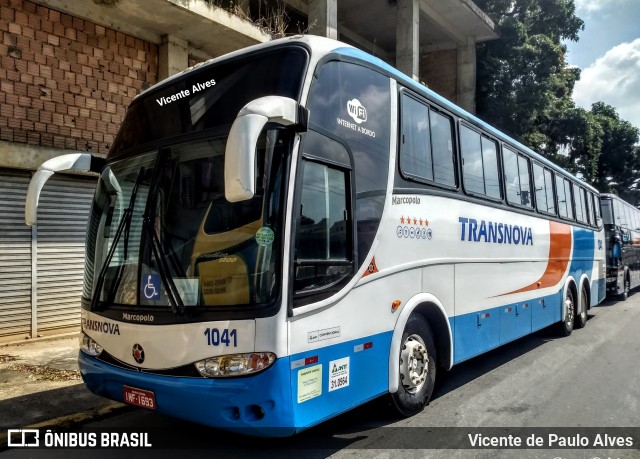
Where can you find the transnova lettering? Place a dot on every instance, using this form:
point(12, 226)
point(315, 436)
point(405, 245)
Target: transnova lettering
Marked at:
point(138, 317)
point(165, 100)
point(498, 233)
point(100, 326)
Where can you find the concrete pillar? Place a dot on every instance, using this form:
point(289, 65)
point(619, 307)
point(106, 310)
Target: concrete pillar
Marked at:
point(323, 18)
point(173, 56)
point(466, 92)
point(407, 38)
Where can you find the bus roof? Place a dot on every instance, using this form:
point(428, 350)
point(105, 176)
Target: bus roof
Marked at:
point(324, 46)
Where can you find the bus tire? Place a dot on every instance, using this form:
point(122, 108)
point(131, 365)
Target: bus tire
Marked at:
point(565, 327)
point(627, 287)
point(581, 319)
point(417, 367)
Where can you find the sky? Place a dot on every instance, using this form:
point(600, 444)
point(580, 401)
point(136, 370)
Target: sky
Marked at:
point(608, 53)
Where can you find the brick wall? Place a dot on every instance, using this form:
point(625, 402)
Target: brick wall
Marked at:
point(66, 82)
point(438, 69)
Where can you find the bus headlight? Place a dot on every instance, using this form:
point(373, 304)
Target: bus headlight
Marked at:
point(89, 346)
point(235, 364)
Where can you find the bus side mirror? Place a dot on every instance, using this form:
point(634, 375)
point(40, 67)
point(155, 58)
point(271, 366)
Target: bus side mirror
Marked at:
point(240, 151)
point(84, 162)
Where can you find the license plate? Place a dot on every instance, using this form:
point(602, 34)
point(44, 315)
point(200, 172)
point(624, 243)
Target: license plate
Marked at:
point(140, 397)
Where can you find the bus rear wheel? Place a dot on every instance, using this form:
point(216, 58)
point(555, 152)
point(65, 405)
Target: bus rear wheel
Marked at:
point(581, 319)
point(566, 326)
point(417, 367)
point(627, 287)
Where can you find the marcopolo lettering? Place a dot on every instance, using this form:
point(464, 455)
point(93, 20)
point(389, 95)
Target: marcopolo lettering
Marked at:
point(497, 233)
point(100, 326)
point(396, 200)
point(138, 317)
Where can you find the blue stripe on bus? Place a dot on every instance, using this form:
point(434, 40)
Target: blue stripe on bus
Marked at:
point(480, 331)
point(583, 253)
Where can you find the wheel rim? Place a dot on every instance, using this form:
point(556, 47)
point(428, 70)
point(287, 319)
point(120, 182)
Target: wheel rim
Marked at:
point(414, 364)
point(568, 303)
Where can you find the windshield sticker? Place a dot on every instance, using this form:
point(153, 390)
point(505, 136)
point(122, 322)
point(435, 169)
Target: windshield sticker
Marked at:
point(151, 286)
point(309, 383)
point(338, 374)
point(358, 113)
point(265, 236)
point(199, 86)
point(188, 290)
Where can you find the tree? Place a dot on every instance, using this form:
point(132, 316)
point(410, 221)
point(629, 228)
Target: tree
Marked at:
point(524, 88)
point(575, 141)
point(618, 163)
point(523, 82)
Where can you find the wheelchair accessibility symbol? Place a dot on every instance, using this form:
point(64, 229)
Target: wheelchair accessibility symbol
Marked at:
point(151, 286)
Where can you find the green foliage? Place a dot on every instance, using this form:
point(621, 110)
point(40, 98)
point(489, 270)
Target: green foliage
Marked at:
point(524, 74)
point(524, 88)
point(619, 163)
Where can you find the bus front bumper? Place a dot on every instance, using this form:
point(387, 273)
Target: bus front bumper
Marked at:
point(259, 405)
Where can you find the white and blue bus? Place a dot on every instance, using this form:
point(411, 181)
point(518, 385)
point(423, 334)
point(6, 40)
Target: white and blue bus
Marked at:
point(286, 232)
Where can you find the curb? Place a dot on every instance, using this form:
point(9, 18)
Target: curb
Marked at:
point(26, 341)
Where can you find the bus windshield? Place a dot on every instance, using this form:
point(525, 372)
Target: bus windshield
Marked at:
point(162, 236)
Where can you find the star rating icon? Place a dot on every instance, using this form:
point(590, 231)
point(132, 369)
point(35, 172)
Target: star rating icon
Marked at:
point(414, 221)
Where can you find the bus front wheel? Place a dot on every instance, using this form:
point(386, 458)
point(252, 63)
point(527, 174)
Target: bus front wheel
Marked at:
point(417, 367)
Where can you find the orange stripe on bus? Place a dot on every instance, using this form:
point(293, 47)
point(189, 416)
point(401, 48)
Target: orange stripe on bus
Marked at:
point(558, 260)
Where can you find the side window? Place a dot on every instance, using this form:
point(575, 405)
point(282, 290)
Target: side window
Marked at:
point(629, 212)
point(415, 151)
point(619, 215)
point(479, 163)
point(567, 192)
point(426, 150)
point(564, 200)
point(577, 197)
point(544, 189)
point(353, 103)
point(442, 147)
point(323, 252)
point(548, 181)
point(596, 208)
point(588, 209)
point(516, 176)
point(634, 218)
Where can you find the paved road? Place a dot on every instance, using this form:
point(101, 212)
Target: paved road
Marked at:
point(590, 379)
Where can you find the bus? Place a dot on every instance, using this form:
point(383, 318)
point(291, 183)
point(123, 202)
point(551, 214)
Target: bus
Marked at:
point(291, 230)
point(622, 237)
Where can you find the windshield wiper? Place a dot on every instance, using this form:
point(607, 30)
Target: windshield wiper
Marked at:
point(175, 300)
point(124, 226)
